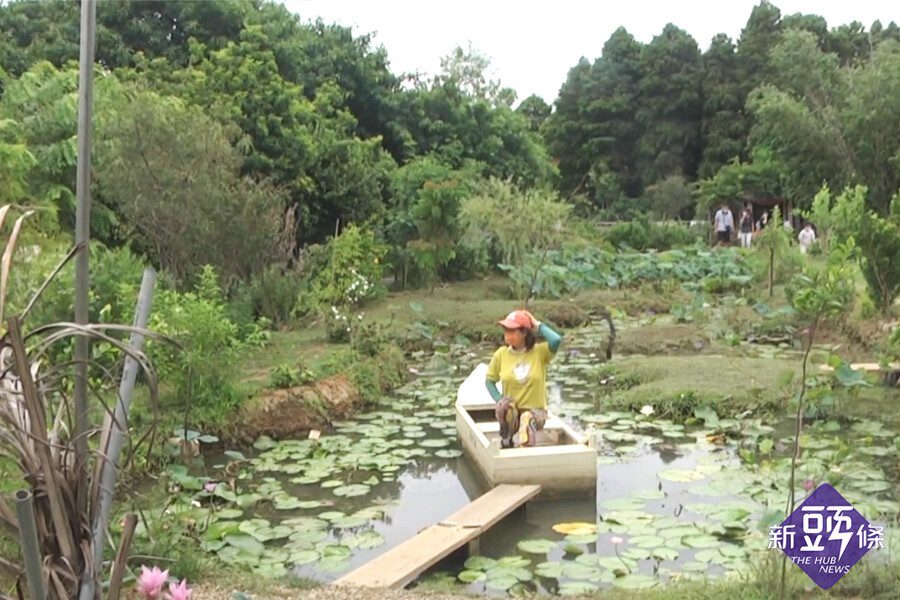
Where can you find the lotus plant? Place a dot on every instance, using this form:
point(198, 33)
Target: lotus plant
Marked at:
point(150, 583)
point(179, 591)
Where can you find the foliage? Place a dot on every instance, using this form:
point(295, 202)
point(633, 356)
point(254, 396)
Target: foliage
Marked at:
point(825, 123)
point(288, 376)
point(518, 223)
point(774, 243)
point(350, 272)
point(270, 294)
point(879, 245)
point(671, 198)
point(202, 371)
point(173, 175)
point(644, 234)
point(569, 270)
point(736, 181)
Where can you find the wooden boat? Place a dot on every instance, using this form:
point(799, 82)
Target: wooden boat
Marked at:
point(563, 460)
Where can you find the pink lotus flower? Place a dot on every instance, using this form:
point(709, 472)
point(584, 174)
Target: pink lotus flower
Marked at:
point(180, 591)
point(151, 581)
point(808, 485)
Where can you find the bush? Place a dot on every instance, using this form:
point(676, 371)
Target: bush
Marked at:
point(642, 234)
point(271, 294)
point(879, 243)
point(288, 376)
point(202, 373)
point(350, 273)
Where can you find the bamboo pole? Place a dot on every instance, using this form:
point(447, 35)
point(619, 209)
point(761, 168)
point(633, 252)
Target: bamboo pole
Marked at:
point(31, 552)
point(82, 237)
point(118, 568)
point(108, 457)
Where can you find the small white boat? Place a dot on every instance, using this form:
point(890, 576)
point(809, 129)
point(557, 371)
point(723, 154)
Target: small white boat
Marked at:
point(563, 460)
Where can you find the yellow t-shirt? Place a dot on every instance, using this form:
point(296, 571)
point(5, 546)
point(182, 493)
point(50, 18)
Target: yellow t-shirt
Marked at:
point(523, 374)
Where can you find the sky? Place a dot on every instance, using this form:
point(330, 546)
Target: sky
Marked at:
point(533, 44)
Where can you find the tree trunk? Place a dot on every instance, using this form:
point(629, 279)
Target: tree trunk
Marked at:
point(771, 270)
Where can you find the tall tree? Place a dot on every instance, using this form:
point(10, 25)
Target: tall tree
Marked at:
point(670, 106)
point(536, 110)
point(723, 126)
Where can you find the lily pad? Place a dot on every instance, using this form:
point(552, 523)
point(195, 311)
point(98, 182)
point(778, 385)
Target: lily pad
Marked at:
point(352, 490)
point(680, 475)
point(636, 582)
point(664, 553)
point(472, 576)
point(536, 546)
point(245, 543)
point(576, 588)
point(576, 528)
point(370, 539)
point(701, 541)
point(479, 563)
point(303, 557)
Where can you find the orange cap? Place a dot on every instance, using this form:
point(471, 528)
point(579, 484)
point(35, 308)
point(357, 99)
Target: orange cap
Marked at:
point(517, 319)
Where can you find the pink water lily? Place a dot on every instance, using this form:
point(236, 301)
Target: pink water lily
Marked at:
point(179, 591)
point(808, 485)
point(150, 583)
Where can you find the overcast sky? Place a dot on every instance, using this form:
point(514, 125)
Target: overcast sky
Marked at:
point(532, 45)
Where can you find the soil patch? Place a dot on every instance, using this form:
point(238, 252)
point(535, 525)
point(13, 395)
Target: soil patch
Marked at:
point(662, 339)
point(286, 412)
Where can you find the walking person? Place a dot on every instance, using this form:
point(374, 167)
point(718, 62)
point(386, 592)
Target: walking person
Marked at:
point(724, 224)
point(746, 228)
point(806, 238)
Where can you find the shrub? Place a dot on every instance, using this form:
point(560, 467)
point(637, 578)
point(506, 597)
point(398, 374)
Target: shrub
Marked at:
point(202, 373)
point(350, 273)
point(271, 294)
point(642, 234)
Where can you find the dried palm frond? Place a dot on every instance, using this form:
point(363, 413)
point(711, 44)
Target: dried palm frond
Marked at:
point(37, 421)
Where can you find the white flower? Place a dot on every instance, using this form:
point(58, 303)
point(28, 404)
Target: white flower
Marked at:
point(647, 410)
point(616, 540)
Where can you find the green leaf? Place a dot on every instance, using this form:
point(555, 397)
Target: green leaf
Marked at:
point(245, 543)
point(635, 582)
point(536, 546)
point(479, 563)
point(472, 576)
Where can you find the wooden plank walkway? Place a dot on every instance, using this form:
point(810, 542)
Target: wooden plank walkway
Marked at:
point(399, 566)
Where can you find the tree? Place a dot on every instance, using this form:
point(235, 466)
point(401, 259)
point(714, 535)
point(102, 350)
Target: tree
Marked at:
point(670, 106)
point(535, 110)
point(723, 125)
point(829, 124)
point(671, 197)
point(173, 175)
point(467, 71)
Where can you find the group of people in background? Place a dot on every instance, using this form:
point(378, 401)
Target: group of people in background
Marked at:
point(747, 227)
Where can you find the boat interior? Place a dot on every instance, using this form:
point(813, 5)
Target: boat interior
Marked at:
point(554, 433)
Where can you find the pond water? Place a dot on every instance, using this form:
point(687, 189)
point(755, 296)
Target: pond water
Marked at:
point(673, 500)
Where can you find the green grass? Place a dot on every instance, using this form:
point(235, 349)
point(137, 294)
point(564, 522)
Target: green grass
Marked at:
point(673, 385)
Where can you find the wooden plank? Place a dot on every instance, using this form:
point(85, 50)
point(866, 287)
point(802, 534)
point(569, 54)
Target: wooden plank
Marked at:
point(401, 565)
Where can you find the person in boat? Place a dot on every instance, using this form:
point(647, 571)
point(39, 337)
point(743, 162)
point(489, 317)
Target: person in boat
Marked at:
point(521, 366)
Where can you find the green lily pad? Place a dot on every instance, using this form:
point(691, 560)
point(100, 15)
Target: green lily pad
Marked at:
point(536, 546)
point(472, 576)
point(636, 582)
point(513, 561)
point(680, 475)
point(694, 567)
point(664, 553)
point(577, 588)
point(352, 490)
point(637, 553)
point(303, 557)
point(647, 541)
point(370, 539)
point(701, 541)
point(551, 570)
point(501, 583)
point(229, 513)
point(479, 563)
point(245, 543)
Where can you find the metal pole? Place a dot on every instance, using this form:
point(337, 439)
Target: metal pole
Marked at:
point(31, 552)
point(109, 468)
point(82, 236)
